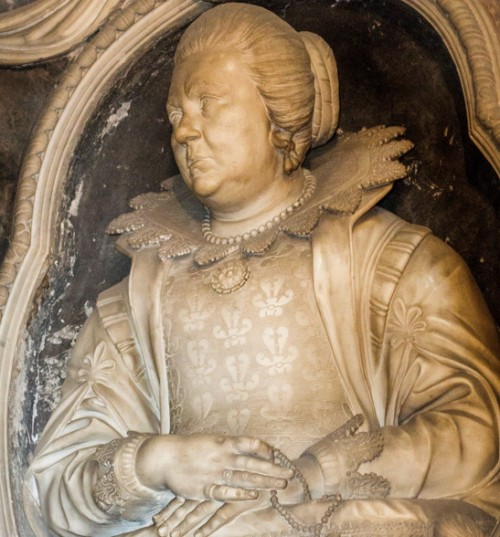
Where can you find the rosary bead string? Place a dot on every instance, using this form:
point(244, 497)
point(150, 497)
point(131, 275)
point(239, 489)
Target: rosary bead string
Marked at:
point(313, 530)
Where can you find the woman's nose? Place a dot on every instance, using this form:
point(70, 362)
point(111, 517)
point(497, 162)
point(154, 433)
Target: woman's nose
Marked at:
point(186, 131)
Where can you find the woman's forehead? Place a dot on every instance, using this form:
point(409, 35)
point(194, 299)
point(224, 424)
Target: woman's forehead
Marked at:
point(214, 70)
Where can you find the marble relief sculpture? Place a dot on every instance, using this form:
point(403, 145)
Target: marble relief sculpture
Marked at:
point(285, 358)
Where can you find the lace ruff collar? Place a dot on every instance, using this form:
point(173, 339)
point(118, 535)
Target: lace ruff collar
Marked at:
point(350, 174)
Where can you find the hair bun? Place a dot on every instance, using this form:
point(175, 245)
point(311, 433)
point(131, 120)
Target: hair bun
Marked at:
point(326, 85)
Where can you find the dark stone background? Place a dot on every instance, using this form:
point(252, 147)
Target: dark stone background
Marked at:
point(7, 5)
point(393, 69)
point(24, 93)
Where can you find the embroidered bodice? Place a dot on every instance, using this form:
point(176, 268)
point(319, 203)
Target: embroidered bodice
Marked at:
point(256, 361)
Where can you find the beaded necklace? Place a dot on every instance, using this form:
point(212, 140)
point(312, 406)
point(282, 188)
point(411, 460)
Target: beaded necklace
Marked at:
point(307, 192)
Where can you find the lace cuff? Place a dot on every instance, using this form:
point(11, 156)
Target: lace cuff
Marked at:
point(117, 490)
point(341, 453)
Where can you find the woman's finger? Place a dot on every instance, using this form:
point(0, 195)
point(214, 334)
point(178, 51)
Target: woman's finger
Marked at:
point(253, 446)
point(223, 516)
point(176, 517)
point(193, 519)
point(164, 514)
point(224, 493)
point(258, 466)
point(236, 478)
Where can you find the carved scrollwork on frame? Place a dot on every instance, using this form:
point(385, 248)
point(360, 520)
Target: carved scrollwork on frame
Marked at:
point(472, 40)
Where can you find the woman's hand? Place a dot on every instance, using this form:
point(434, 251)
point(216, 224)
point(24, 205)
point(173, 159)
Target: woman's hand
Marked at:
point(210, 467)
point(183, 518)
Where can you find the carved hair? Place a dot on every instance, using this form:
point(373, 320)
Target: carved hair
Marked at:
point(294, 72)
point(326, 85)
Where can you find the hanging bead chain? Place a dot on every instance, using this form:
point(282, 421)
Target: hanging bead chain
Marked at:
point(314, 530)
point(307, 192)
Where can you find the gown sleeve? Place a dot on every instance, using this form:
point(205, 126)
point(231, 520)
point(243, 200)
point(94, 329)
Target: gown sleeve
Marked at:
point(439, 362)
point(104, 396)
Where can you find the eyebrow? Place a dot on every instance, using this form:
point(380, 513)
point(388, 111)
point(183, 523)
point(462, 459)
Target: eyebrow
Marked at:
point(198, 88)
point(207, 86)
point(171, 107)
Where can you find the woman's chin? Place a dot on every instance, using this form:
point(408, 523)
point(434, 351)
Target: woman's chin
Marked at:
point(204, 187)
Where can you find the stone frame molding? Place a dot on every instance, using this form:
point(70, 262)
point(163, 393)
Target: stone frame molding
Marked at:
point(473, 41)
point(464, 26)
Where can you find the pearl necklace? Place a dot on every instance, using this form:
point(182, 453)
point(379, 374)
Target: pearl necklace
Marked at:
point(307, 192)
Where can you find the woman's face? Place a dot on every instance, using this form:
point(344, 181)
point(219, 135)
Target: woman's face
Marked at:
point(221, 131)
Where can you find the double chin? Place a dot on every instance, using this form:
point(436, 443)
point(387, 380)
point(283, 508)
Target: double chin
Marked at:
point(203, 184)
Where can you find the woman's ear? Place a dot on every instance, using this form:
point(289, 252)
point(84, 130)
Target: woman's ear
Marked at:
point(283, 141)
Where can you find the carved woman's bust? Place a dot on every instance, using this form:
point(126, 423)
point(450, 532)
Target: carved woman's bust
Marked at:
point(291, 359)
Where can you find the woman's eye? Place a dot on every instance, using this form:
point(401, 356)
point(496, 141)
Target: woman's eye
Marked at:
point(206, 103)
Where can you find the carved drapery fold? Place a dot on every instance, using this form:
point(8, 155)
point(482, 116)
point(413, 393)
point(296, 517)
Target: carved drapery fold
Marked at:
point(49, 28)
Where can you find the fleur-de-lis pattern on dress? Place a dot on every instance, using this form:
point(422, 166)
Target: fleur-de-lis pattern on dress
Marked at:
point(272, 297)
point(96, 369)
point(280, 354)
point(241, 381)
point(201, 361)
point(201, 416)
point(237, 420)
point(257, 366)
point(235, 329)
point(196, 314)
point(280, 401)
point(407, 324)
